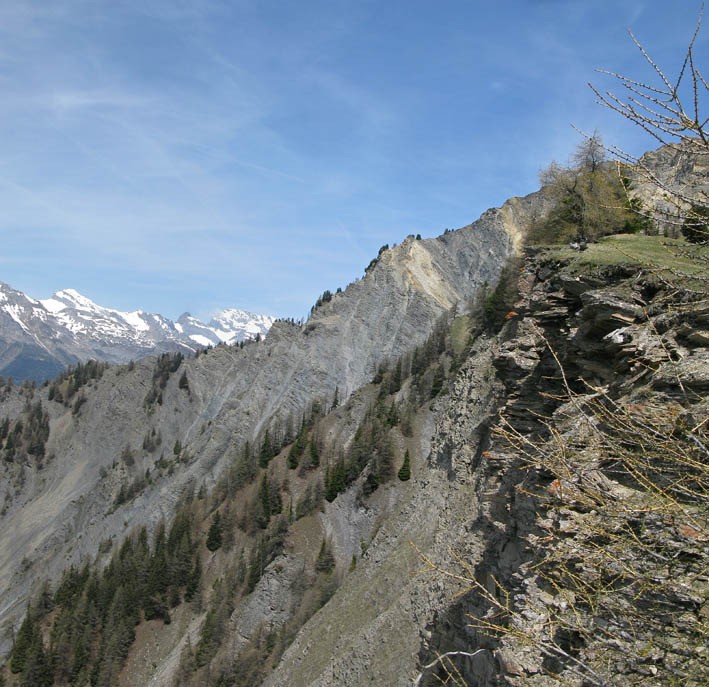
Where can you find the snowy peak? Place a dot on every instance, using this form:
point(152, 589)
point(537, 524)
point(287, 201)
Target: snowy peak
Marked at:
point(69, 327)
point(232, 325)
point(80, 314)
point(72, 300)
point(227, 326)
point(69, 298)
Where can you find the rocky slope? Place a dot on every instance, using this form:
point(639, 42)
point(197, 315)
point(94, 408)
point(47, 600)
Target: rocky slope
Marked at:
point(492, 553)
point(552, 519)
point(40, 338)
point(60, 508)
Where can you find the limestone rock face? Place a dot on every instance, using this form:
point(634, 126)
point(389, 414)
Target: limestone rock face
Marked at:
point(669, 179)
point(60, 512)
point(469, 515)
point(371, 631)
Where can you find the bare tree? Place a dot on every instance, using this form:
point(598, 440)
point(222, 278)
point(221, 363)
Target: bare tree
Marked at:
point(669, 110)
point(589, 198)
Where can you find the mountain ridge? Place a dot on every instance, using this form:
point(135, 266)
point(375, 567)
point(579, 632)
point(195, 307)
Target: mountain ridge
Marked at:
point(41, 337)
point(230, 396)
point(298, 443)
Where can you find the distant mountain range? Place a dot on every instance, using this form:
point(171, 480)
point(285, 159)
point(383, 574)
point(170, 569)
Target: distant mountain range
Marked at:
point(40, 338)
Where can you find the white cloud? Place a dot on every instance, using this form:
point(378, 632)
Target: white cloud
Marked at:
point(71, 100)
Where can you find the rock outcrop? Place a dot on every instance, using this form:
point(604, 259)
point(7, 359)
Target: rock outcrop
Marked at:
point(553, 520)
point(60, 511)
point(475, 523)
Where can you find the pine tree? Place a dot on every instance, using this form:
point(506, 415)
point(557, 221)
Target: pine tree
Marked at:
point(158, 581)
point(214, 536)
point(23, 643)
point(37, 671)
point(266, 452)
point(256, 567)
point(262, 507)
point(274, 495)
point(393, 415)
point(298, 448)
point(194, 581)
point(314, 454)
point(395, 381)
point(405, 471)
point(335, 482)
point(696, 225)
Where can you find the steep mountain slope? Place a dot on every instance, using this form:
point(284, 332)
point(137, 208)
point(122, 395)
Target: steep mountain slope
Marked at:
point(496, 510)
point(40, 338)
point(60, 508)
point(530, 541)
point(427, 481)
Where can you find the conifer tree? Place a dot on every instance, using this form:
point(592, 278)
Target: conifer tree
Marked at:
point(405, 471)
point(298, 448)
point(37, 671)
point(194, 581)
point(395, 381)
point(255, 567)
point(314, 454)
point(262, 507)
point(157, 572)
point(335, 482)
point(266, 452)
point(274, 496)
point(23, 643)
point(589, 198)
point(696, 225)
point(393, 415)
point(214, 536)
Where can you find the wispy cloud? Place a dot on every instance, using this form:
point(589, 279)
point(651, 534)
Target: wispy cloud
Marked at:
point(75, 100)
point(232, 143)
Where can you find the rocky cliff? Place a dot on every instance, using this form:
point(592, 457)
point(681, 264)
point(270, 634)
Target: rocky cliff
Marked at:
point(59, 508)
point(429, 480)
point(526, 544)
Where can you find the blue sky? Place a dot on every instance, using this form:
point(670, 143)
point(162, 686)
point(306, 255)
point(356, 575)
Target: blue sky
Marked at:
point(193, 155)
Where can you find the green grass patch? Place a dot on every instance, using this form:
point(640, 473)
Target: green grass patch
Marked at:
point(672, 258)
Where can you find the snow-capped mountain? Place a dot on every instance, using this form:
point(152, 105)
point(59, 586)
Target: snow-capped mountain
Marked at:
point(38, 338)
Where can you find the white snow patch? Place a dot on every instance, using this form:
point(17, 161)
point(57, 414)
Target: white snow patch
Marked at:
point(179, 327)
point(53, 305)
point(224, 337)
point(77, 300)
point(135, 320)
point(14, 312)
point(201, 340)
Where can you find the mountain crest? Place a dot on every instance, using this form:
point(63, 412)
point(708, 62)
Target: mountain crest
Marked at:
point(39, 338)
